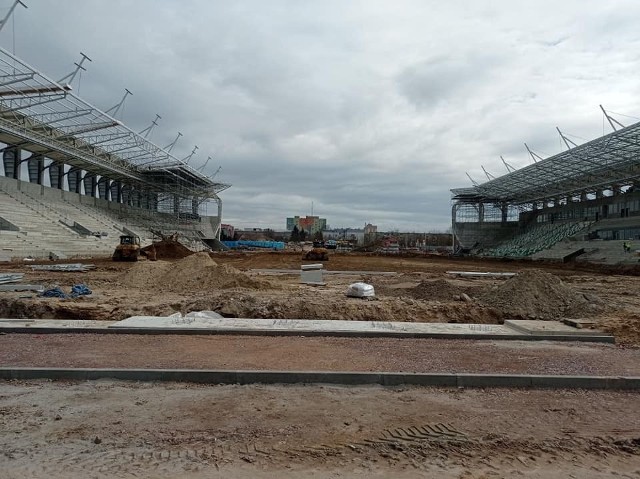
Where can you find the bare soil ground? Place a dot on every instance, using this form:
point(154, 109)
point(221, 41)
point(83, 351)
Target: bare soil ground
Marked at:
point(316, 354)
point(125, 430)
point(119, 429)
point(421, 291)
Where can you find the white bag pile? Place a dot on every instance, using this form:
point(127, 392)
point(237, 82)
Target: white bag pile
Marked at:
point(360, 290)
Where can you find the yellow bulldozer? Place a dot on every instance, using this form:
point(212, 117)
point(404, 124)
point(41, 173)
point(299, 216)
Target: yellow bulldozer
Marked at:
point(317, 253)
point(128, 249)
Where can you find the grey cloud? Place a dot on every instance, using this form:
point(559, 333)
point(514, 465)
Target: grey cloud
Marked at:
point(372, 110)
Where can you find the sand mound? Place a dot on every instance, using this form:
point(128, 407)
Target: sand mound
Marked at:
point(194, 273)
point(540, 295)
point(169, 249)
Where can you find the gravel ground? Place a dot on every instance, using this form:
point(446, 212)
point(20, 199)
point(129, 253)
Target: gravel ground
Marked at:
point(317, 353)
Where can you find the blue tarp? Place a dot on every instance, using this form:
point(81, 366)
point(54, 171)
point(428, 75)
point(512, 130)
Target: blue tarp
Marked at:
point(76, 290)
point(255, 244)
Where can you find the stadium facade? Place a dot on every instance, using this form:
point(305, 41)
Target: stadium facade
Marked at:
point(51, 139)
point(589, 191)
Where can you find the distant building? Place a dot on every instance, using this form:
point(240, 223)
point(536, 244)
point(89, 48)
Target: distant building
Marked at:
point(359, 236)
point(311, 224)
point(352, 235)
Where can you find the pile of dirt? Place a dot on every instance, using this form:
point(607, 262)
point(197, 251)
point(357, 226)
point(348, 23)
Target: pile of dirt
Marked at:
point(192, 274)
point(169, 249)
point(535, 294)
point(430, 290)
point(440, 290)
point(625, 328)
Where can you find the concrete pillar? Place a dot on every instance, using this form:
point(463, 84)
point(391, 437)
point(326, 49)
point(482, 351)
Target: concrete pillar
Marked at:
point(56, 175)
point(505, 213)
point(74, 177)
point(599, 194)
point(35, 165)
point(104, 188)
point(90, 184)
point(115, 191)
point(480, 212)
point(176, 204)
point(194, 206)
point(11, 160)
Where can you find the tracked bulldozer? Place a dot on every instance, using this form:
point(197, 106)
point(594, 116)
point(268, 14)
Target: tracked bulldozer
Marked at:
point(128, 249)
point(317, 253)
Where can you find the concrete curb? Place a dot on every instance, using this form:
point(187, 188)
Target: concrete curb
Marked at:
point(341, 334)
point(328, 377)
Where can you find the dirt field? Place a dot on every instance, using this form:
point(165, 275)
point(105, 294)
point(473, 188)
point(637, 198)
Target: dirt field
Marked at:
point(119, 429)
point(420, 291)
point(125, 430)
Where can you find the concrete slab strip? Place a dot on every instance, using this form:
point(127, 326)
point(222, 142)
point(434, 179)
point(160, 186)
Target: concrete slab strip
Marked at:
point(552, 328)
point(304, 327)
point(346, 378)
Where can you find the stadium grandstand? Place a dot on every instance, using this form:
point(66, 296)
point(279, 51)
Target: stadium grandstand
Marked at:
point(582, 204)
point(74, 178)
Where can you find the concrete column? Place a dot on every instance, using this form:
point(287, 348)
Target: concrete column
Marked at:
point(176, 204)
point(35, 165)
point(90, 184)
point(56, 175)
point(104, 188)
point(480, 212)
point(11, 160)
point(74, 177)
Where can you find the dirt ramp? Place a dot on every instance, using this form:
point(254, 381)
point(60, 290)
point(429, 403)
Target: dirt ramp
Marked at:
point(193, 274)
point(540, 295)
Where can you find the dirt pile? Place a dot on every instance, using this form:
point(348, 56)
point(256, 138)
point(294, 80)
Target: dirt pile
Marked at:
point(535, 294)
point(169, 249)
point(440, 290)
point(625, 327)
point(192, 274)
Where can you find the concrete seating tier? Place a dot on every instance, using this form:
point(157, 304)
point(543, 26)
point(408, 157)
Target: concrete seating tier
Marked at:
point(51, 220)
point(538, 238)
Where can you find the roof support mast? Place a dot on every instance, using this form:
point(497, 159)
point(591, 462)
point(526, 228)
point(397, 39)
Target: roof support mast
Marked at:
point(3, 22)
point(611, 120)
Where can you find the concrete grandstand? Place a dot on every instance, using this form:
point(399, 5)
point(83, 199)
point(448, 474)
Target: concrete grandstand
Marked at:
point(580, 204)
point(74, 177)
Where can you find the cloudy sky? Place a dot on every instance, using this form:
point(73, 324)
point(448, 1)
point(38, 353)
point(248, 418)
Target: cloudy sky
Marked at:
point(371, 110)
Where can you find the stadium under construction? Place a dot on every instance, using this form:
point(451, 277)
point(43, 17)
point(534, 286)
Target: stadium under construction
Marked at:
point(570, 205)
point(74, 175)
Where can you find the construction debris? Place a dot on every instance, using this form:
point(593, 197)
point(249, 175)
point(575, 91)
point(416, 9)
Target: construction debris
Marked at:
point(75, 267)
point(481, 274)
point(21, 287)
point(10, 277)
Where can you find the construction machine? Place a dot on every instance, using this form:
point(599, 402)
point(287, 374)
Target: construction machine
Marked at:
point(128, 249)
point(317, 253)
